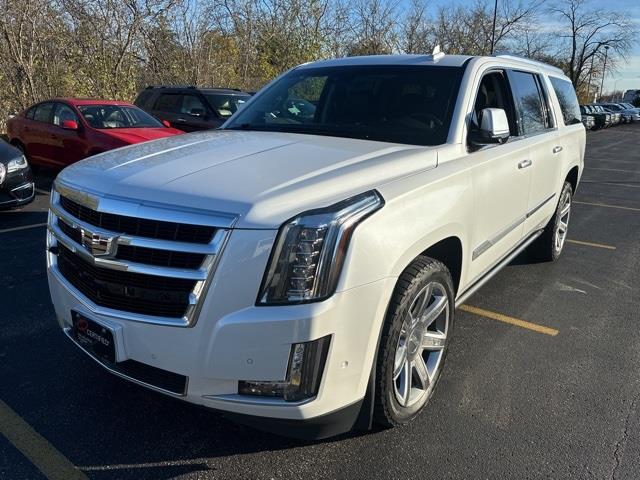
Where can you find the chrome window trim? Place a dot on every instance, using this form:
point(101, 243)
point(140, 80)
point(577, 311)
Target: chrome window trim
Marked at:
point(202, 275)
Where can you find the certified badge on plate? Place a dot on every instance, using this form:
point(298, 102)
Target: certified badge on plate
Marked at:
point(93, 337)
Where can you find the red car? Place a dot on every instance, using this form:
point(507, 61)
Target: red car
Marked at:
point(61, 131)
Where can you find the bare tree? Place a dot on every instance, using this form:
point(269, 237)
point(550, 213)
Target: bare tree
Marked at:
point(585, 34)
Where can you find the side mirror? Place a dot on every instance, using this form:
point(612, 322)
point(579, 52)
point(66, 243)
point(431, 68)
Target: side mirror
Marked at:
point(69, 125)
point(494, 127)
point(166, 123)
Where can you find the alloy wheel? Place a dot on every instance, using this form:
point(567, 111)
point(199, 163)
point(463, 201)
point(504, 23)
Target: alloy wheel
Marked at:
point(421, 344)
point(563, 222)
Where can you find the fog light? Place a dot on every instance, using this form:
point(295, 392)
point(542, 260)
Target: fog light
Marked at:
point(304, 373)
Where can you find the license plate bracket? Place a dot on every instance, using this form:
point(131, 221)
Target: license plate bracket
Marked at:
point(94, 337)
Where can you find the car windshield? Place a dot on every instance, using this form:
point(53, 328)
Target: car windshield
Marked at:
point(226, 105)
point(613, 107)
point(117, 116)
point(390, 103)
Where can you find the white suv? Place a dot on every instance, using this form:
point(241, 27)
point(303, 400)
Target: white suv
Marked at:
point(299, 269)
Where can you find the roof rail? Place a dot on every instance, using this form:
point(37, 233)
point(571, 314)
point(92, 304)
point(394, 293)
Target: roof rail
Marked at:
point(520, 58)
point(151, 87)
point(169, 86)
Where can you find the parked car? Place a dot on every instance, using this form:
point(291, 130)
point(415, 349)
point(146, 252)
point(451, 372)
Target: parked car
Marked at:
point(62, 131)
point(630, 114)
point(588, 121)
point(300, 273)
point(616, 117)
point(16, 181)
point(191, 108)
point(601, 119)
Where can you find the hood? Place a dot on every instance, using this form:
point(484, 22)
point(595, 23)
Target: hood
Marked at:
point(8, 152)
point(137, 135)
point(264, 178)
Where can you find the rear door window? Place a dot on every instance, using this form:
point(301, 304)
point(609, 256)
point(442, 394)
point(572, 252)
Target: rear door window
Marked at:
point(533, 114)
point(43, 112)
point(143, 98)
point(169, 102)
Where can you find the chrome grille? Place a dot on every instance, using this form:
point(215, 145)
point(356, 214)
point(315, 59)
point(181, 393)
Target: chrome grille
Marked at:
point(144, 269)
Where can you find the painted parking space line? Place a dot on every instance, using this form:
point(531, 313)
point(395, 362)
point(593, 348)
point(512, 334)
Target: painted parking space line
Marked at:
point(612, 170)
point(44, 192)
point(591, 244)
point(35, 447)
point(24, 227)
point(510, 320)
point(604, 205)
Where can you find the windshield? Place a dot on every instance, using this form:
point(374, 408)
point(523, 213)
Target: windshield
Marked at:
point(390, 103)
point(117, 116)
point(226, 105)
point(613, 107)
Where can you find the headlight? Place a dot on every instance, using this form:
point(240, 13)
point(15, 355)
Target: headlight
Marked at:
point(3, 172)
point(306, 261)
point(17, 164)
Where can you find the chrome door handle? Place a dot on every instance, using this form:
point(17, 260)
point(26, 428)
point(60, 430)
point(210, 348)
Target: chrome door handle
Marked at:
point(557, 149)
point(524, 163)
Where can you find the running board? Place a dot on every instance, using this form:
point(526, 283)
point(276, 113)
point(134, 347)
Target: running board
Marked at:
point(499, 266)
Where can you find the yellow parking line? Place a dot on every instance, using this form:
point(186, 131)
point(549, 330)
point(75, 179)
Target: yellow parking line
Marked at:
point(510, 320)
point(590, 244)
point(24, 227)
point(620, 207)
point(35, 447)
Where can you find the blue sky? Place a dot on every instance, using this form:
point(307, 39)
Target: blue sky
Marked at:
point(627, 74)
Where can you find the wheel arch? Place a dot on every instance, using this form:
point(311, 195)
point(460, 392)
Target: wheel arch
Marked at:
point(572, 177)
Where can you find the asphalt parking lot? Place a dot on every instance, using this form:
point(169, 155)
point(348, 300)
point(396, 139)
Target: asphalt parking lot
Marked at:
point(516, 400)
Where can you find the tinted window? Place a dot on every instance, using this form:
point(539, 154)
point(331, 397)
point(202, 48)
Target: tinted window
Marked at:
point(30, 112)
point(117, 116)
point(43, 112)
point(400, 104)
point(192, 105)
point(225, 105)
point(63, 113)
point(493, 93)
point(143, 98)
point(169, 102)
point(530, 103)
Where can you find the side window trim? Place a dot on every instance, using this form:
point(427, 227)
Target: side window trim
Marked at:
point(544, 96)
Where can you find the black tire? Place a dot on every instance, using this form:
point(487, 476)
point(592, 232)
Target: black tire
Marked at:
point(422, 272)
point(546, 248)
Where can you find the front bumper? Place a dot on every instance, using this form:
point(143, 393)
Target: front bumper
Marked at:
point(17, 189)
point(235, 340)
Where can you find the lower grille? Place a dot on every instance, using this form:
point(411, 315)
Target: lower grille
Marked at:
point(130, 292)
point(157, 377)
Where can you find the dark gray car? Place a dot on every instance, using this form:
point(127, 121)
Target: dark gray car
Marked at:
point(191, 108)
point(16, 180)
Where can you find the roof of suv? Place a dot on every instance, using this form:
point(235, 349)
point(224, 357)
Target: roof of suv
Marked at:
point(438, 59)
point(227, 91)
